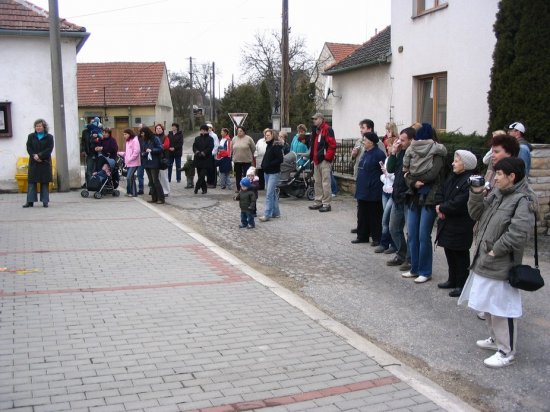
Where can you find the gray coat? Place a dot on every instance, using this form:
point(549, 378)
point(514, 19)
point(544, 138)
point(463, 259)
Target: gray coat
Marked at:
point(506, 219)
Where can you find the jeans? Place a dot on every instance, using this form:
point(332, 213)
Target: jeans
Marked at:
point(224, 180)
point(333, 184)
point(171, 160)
point(386, 239)
point(247, 219)
point(396, 226)
point(420, 221)
point(32, 195)
point(271, 199)
point(140, 173)
point(131, 181)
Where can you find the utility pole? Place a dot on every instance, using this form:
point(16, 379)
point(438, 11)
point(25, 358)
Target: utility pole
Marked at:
point(63, 181)
point(285, 70)
point(191, 113)
point(213, 94)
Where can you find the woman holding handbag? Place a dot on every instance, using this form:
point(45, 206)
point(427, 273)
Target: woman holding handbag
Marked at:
point(163, 169)
point(505, 219)
point(151, 151)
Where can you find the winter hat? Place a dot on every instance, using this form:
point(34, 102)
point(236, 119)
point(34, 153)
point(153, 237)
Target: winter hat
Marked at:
point(425, 132)
point(251, 171)
point(373, 137)
point(246, 182)
point(468, 158)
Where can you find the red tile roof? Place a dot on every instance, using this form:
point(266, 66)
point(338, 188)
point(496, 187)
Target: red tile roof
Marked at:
point(23, 15)
point(341, 50)
point(126, 83)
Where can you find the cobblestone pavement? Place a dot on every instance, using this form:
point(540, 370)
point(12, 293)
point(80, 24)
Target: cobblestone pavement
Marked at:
point(419, 324)
point(111, 305)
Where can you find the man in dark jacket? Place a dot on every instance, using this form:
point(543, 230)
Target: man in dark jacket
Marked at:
point(175, 136)
point(397, 216)
point(202, 149)
point(323, 149)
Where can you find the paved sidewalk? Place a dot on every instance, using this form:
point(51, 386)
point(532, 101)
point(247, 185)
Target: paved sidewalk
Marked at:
point(111, 305)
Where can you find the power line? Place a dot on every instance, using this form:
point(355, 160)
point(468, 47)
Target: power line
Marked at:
point(120, 9)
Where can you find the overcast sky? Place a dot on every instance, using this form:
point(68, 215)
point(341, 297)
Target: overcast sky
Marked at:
point(212, 30)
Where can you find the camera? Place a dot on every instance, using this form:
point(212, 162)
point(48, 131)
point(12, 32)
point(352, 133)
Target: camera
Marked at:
point(477, 181)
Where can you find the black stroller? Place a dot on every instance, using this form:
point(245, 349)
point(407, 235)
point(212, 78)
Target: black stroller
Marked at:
point(103, 182)
point(296, 177)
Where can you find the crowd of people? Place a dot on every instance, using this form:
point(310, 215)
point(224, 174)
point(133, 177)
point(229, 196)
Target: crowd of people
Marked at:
point(399, 183)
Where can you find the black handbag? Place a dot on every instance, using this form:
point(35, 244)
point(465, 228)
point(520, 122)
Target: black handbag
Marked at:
point(163, 163)
point(525, 277)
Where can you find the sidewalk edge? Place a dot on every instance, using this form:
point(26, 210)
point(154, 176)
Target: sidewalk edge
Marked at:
point(423, 385)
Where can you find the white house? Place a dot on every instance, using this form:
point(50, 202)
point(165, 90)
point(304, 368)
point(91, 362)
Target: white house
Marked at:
point(26, 84)
point(437, 69)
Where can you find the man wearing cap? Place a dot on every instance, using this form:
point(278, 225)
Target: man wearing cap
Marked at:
point(211, 178)
point(323, 148)
point(517, 130)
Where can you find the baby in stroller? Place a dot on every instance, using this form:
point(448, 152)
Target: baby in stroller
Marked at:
point(104, 180)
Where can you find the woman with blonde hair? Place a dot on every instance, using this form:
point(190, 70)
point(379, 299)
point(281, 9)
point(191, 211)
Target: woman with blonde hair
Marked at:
point(390, 136)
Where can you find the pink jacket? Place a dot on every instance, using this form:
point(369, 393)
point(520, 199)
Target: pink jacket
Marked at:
point(132, 155)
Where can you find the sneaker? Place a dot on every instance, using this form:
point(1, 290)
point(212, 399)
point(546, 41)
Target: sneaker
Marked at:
point(488, 343)
point(408, 274)
point(379, 249)
point(405, 266)
point(395, 261)
point(263, 219)
point(499, 360)
point(251, 227)
point(242, 226)
point(276, 216)
point(390, 251)
point(422, 279)
point(481, 315)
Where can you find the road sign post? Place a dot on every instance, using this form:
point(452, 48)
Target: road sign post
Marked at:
point(238, 120)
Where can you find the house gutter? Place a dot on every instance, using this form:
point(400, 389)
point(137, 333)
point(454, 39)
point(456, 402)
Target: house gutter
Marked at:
point(82, 35)
point(360, 66)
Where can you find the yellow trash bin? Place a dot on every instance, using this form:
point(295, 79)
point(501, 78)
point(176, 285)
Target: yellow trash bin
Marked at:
point(22, 174)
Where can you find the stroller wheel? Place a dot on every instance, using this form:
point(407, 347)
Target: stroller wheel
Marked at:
point(116, 193)
point(310, 193)
point(97, 195)
point(85, 193)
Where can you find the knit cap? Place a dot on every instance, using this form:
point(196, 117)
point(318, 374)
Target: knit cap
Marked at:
point(246, 182)
point(251, 171)
point(468, 158)
point(425, 132)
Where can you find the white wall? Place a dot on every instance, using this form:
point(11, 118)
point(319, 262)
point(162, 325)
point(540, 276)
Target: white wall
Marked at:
point(365, 93)
point(25, 81)
point(459, 40)
point(325, 60)
point(164, 112)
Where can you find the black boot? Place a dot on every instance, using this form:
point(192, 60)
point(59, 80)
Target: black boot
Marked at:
point(28, 204)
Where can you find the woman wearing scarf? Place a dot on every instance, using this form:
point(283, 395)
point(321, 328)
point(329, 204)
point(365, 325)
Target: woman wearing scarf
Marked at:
point(39, 147)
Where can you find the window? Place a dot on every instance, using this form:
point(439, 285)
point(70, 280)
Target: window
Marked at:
point(426, 6)
point(5, 120)
point(432, 100)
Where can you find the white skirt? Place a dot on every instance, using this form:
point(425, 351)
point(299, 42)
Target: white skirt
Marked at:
point(163, 177)
point(493, 296)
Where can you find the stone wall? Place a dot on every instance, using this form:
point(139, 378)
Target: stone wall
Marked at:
point(539, 179)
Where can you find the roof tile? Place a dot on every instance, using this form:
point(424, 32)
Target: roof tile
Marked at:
point(125, 83)
point(23, 15)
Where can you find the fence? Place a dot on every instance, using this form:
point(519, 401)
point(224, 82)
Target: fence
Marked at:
point(343, 162)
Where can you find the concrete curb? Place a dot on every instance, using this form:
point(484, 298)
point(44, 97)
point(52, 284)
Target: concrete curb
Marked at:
point(423, 385)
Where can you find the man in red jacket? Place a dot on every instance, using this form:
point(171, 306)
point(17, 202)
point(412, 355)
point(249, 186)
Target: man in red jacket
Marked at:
point(323, 148)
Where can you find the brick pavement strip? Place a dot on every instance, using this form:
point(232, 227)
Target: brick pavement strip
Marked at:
point(194, 334)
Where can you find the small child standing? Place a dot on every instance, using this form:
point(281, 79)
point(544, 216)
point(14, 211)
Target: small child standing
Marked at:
point(255, 184)
point(189, 170)
point(247, 203)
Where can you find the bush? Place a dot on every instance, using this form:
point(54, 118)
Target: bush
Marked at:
point(478, 145)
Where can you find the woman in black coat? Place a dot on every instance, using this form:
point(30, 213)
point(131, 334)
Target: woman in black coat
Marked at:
point(455, 227)
point(202, 150)
point(39, 147)
point(151, 150)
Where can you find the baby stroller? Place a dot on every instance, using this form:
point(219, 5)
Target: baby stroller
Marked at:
point(104, 181)
point(296, 177)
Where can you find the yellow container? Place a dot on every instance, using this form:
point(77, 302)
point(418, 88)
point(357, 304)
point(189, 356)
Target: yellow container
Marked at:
point(22, 174)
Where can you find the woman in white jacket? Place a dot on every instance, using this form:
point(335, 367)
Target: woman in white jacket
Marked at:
point(259, 154)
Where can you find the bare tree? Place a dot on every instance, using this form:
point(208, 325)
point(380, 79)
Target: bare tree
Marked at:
point(261, 59)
